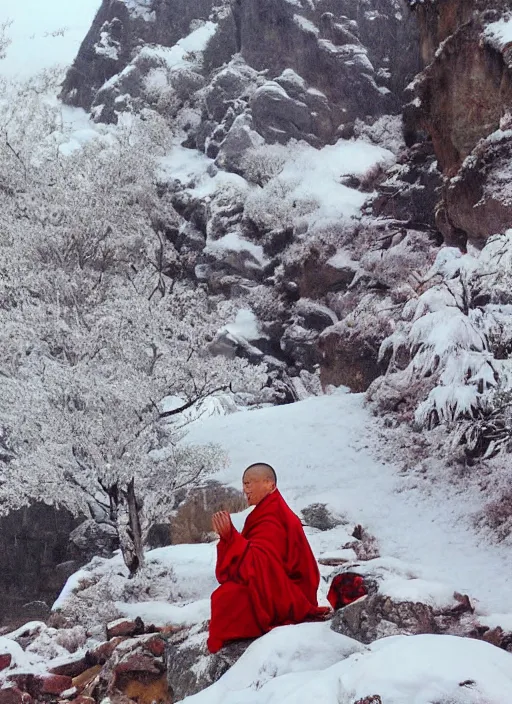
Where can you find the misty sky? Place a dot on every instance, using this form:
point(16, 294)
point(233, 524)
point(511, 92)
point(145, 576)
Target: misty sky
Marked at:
point(32, 49)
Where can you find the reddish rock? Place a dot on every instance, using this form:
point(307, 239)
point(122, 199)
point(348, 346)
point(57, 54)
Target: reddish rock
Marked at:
point(104, 651)
point(374, 699)
point(125, 627)
point(55, 684)
point(5, 661)
point(137, 662)
point(464, 604)
point(84, 700)
point(13, 695)
point(41, 684)
point(72, 668)
point(156, 646)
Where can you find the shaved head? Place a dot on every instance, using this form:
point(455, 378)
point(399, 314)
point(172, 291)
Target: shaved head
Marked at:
point(263, 470)
point(259, 481)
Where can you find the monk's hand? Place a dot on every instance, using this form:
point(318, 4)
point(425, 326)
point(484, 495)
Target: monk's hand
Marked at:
point(221, 524)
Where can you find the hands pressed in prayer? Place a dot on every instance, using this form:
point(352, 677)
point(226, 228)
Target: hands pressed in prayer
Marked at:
point(221, 524)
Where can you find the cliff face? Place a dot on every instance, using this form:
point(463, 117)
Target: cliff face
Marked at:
point(359, 55)
point(234, 76)
point(463, 96)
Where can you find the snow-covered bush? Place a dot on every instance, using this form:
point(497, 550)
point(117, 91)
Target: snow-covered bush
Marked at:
point(457, 336)
point(261, 164)
point(386, 131)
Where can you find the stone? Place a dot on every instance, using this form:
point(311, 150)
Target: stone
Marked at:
point(318, 516)
point(299, 346)
point(86, 678)
point(471, 204)
point(349, 357)
point(239, 140)
point(124, 627)
point(314, 316)
point(462, 62)
point(226, 86)
point(55, 684)
point(91, 538)
point(138, 662)
point(102, 652)
point(36, 684)
point(141, 677)
point(156, 646)
point(278, 117)
point(377, 616)
point(13, 695)
point(5, 661)
point(373, 699)
point(73, 667)
point(182, 655)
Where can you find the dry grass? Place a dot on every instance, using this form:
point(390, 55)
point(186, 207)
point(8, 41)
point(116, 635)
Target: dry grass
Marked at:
point(192, 523)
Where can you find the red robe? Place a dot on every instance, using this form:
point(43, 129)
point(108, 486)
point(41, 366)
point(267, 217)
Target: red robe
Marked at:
point(268, 575)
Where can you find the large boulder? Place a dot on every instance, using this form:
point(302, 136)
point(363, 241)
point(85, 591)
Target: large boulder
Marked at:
point(349, 356)
point(184, 652)
point(91, 538)
point(379, 615)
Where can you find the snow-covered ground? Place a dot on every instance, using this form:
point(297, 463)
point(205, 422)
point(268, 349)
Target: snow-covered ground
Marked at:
point(44, 34)
point(322, 451)
point(306, 663)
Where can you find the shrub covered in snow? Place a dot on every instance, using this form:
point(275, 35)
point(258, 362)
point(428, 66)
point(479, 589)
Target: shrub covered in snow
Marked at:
point(456, 338)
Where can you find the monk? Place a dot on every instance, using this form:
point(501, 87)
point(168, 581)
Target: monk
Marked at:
point(268, 574)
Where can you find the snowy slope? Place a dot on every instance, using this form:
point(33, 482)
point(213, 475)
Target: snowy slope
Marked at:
point(402, 670)
point(322, 451)
point(44, 34)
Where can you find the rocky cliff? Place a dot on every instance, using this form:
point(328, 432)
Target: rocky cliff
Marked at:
point(462, 101)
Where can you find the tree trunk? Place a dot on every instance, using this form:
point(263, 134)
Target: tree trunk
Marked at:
point(131, 536)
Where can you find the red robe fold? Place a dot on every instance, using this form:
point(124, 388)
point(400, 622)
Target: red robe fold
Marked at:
point(268, 575)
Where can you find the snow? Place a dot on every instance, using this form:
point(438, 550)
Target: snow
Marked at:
point(10, 647)
point(44, 34)
point(301, 664)
point(316, 173)
point(246, 325)
point(161, 614)
point(193, 567)
point(435, 594)
point(342, 260)
point(306, 25)
point(300, 650)
point(179, 54)
point(233, 242)
point(72, 583)
point(140, 9)
point(499, 34)
point(429, 668)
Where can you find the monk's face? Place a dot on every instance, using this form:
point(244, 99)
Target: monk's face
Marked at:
point(256, 486)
